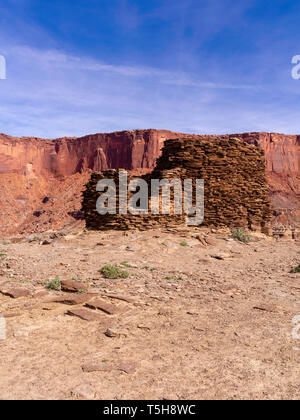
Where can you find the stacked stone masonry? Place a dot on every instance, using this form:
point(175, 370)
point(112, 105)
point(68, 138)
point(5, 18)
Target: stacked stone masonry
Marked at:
point(235, 187)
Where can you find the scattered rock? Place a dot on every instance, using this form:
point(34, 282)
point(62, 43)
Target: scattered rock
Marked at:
point(45, 242)
point(73, 286)
point(118, 297)
point(143, 327)
point(84, 314)
point(128, 367)
point(15, 293)
point(11, 315)
point(204, 261)
point(164, 312)
point(75, 299)
point(212, 241)
point(114, 334)
point(103, 366)
point(133, 248)
point(221, 256)
point(103, 306)
point(96, 367)
point(266, 308)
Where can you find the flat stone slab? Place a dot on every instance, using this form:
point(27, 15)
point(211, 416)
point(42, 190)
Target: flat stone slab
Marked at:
point(73, 286)
point(119, 297)
point(265, 308)
point(84, 314)
point(96, 367)
point(127, 367)
point(103, 306)
point(15, 293)
point(10, 315)
point(74, 299)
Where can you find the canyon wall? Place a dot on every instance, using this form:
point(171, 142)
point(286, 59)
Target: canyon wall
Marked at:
point(41, 179)
point(67, 156)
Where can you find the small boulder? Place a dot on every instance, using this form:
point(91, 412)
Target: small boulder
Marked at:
point(73, 286)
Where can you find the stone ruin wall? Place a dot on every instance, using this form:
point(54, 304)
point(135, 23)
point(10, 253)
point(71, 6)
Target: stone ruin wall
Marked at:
point(236, 191)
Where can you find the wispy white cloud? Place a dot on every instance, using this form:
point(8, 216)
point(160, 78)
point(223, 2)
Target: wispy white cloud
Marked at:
point(56, 59)
point(49, 93)
point(52, 93)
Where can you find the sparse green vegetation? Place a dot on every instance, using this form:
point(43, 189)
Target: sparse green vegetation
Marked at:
point(5, 242)
point(146, 267)
point(126, 264)
point(113, 272)
point(81, 291)
point(183, 243)
point(241, 235)
point(295, 270)
point(24, 280)
point(54, 284)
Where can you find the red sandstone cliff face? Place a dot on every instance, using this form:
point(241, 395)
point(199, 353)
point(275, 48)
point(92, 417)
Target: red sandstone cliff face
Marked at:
point(283, 173)
point(32, 169)
point(67, 156)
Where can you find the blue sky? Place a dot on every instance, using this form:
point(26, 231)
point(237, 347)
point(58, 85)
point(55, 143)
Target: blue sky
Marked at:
point(87, 66)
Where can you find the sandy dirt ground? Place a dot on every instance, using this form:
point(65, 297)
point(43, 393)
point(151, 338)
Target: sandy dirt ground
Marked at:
point(201, 316)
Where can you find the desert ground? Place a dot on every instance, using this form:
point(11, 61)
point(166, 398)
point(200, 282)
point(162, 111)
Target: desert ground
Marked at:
point(200, 316)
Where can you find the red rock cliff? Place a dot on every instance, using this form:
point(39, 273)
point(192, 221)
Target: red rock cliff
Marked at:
point(67, 156)
point(32, 168)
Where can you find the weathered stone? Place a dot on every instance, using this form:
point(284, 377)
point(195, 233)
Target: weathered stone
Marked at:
point(73, 286)
point(74, 299)
point(96, 367)
point(119, 297)
point(84, 314)
point(236, 191)
point(104, 366)
point(221, 256)
point(112, 333)
point(15, 293)
point(103, 306)
point(10, 315)
point(266, 308)
point(127, 367)
point(45, 242)
point(133, 248)
point(211, 241)
point(144, 327)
